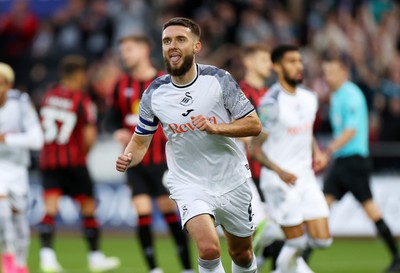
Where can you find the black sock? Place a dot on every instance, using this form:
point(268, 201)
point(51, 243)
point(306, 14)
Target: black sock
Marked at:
point(273, 251)
point(47, 230)
point(387, 236)
point(179, 237)
point(307, 253)
point(91, 232)
point(146, 239)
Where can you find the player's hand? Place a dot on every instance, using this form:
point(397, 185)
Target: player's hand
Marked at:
point(287, 177)
point(123, 162)
point(123, 136)
point(203, 124)
point(320, 161)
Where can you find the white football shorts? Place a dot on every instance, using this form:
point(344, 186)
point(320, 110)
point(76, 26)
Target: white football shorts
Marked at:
point(291, 205)
point(14, 184)
point(231, 210)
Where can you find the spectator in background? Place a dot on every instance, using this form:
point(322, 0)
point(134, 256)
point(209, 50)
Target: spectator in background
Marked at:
point(20, 131)
point(18, 28)
point(145, 179)
point(69, 122)
point(351, 167)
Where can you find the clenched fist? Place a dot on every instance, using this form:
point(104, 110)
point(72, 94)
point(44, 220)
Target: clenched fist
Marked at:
point(123, 162)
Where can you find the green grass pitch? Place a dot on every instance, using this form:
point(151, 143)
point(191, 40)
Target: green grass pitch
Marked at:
point(344, 256)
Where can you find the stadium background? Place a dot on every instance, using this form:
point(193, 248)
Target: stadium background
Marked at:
point(35, 34)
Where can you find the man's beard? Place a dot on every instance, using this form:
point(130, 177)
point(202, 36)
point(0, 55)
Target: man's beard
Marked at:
point(292, 82)
point(183, 69)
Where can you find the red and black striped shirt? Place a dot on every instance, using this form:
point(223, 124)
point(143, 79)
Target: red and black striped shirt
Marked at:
point(64, 114)
point(254, 95)
point(125, 108)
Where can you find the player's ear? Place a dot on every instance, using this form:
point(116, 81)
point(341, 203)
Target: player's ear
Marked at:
point(276, 67)
point(197, 47)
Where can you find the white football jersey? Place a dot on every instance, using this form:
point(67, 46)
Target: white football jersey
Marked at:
point(288, 119)
point(196, 159)
point(17, 115)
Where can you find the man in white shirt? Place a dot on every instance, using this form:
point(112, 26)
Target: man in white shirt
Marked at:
point(287, 149)
point(201, 110)
point(20, 131)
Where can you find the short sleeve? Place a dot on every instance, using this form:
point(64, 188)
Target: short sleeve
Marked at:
point(268, 112)
point(148, 122)
point(235, 101)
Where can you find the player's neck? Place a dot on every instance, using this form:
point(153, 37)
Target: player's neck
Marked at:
point(187, 78)
point(143, 72)
point(254, 80)
point(288, 87)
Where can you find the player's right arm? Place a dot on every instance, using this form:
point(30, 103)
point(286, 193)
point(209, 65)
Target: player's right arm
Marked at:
point(256, 152)
point(134, 152)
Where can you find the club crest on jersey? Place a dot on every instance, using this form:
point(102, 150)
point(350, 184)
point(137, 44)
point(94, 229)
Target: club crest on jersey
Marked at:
point(187, 100)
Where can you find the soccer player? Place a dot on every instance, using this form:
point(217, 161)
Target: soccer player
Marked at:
point(201, 110)
point(146, 178)
point(69, 122)
point(258, 69)
point(20, 131)
point(286, 148)
point(349, 149)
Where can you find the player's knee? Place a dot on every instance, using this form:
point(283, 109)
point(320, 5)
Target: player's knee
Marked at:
point(208, 251)
point(320, 243)
point(299, 243)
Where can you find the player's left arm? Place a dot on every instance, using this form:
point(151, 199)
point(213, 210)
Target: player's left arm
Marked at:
point(247, 126)
point(31, 136)
point(320, 160)
point(89, 114)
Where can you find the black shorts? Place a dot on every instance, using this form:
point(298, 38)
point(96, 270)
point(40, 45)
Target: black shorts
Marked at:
point(147, 180)
point(74, 181)
point(349, 174)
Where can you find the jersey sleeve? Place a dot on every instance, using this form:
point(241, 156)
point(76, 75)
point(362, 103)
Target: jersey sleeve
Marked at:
point(235, 101)
point(148, 122)
point(268, 113)
point(30, 116)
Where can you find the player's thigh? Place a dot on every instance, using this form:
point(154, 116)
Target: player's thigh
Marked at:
point(333, 183)
point(239, 248)
point(82, 190)
point(53, 181)
point(165, 204)
point(294, 231)
point(142, 204)
point(358, 178)
point(234, 211)
point(201, 229)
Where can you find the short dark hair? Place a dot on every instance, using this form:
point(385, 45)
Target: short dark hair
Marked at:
point(279, 51)
point(185, 22)
point(253, 48)
point(70, 64)
point(341, 58)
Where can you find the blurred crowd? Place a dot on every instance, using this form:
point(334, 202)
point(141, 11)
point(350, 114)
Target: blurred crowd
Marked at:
point(366, 32)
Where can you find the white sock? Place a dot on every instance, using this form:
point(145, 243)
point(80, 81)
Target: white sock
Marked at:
point(251, 268)
point(22, 238)
point(287, 259)
point(6, 227)
point(211, 266)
